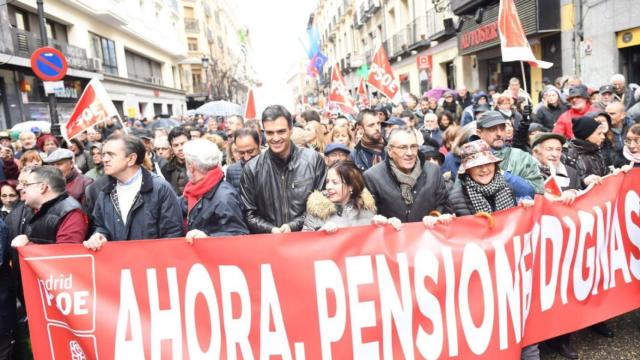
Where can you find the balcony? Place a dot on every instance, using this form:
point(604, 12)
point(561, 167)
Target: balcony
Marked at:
point(373, 6)
point(191, 25)
point(25, 43)
point(207, 9)
point(210, 37)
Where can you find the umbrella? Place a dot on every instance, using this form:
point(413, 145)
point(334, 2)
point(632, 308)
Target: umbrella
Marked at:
point(191, 112)
point(27, 125)
point(164, 123)
point(436, 92)
point(219, 108)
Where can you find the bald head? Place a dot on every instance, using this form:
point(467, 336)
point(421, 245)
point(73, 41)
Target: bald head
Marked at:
point(617, 113)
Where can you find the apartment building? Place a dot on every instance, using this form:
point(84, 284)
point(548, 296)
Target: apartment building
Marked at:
point(218, 64)
point(133, 46)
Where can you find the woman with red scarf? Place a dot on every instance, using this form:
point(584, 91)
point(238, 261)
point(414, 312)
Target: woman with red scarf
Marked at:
point(212, 206)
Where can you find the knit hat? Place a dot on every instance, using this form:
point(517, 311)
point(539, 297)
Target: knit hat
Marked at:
point(584, 126)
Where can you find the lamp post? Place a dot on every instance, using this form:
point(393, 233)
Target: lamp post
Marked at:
point(205, 66)
point(53, 111)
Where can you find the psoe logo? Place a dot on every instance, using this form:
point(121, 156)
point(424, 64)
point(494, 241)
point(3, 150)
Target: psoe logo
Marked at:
point(68, 290)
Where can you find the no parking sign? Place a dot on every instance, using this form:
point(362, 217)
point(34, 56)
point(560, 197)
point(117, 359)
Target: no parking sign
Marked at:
point(49, 64)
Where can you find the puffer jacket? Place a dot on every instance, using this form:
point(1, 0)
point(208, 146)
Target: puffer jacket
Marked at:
point(155, 213)
point(586, 158)
point(429, 192)
point(217, 213)
point(548, 115)
point(275, 191)
point(320, 210)
point(176, 174)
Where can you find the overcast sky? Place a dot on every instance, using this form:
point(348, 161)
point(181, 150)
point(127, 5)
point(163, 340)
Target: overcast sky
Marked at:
point(274, 27)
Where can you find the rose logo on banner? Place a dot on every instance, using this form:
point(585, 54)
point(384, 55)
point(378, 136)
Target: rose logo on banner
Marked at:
point(381, 75)
point(69, 304)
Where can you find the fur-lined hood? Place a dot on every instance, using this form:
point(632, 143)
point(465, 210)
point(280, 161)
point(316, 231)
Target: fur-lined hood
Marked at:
point(320, 206)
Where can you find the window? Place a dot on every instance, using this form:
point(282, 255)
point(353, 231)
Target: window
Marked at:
point(105, 49)
point(196, 78)
point(143, 69)
point(192, 43)
point(22, 21)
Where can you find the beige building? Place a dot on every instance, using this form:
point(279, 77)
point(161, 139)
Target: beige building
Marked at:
point(218, 63)
point(352, 30)
point(133, 46)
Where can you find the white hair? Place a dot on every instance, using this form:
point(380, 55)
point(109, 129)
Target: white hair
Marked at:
point(617, 77)
point(161, 141)
point(202, 153)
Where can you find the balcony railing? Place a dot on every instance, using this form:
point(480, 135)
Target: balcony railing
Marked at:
point(25, 43)
point(191, 25)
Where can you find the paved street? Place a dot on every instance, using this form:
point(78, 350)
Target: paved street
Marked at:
point(591, 346)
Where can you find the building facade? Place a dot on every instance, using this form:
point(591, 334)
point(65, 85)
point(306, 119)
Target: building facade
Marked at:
point(132, 46)
point(413, 33)
point(219, 62)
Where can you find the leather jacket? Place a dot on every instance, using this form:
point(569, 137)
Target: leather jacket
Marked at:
point(274, 191)
point(587, 158)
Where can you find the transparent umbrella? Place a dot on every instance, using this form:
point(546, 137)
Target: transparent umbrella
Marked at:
point(164, 123)
point(219, 108)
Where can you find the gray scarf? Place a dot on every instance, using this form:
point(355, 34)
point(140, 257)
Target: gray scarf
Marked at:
point(407, 181)
point(497, 190)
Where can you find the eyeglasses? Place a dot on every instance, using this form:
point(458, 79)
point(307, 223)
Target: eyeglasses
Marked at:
point(406, 148)
point(29, 184)
point(4, 196)
point(628, 141)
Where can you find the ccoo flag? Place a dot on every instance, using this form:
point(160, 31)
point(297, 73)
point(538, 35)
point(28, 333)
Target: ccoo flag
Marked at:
point(250, 108)
point(93, 107)
point(513, 42)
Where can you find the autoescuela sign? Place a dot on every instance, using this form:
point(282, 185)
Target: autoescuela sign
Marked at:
point(481, 35)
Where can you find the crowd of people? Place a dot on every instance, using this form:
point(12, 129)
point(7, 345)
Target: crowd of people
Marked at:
point(424, 160)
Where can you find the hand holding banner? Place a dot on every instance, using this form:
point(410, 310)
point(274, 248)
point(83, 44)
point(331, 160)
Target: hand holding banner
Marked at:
point(381, 75)
point(93, 107)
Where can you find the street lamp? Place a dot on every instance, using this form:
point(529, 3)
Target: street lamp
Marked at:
point(205, 66)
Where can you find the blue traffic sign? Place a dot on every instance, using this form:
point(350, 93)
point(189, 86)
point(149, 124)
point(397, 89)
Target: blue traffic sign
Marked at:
point(49, 64)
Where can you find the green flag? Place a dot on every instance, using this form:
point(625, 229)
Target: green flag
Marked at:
point(363, 71)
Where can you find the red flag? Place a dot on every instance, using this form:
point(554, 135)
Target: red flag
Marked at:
point(381, 76)
point(513, 41)
point(339, 94)
point(250, 108)
point(363, 94)
point(93, 107)
point(551, 186)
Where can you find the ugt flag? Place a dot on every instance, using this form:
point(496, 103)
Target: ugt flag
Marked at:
point(93, 107)
point(513, 42)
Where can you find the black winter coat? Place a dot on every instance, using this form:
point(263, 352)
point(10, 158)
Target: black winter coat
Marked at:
point(7, 283)
point(586, 158)
point(429, 192)
point(155, 213)
point(176, 174)
point(217, 213)
point(274, 191)
point(547, 116)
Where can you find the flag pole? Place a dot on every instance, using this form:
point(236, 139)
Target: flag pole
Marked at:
point(524, 81)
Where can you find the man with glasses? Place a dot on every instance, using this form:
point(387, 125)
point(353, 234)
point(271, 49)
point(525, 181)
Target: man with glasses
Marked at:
point(403, 186)
point(57, 217)
point(247, 144)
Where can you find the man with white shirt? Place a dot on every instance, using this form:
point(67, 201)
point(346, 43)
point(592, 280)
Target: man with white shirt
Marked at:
point(134, 204)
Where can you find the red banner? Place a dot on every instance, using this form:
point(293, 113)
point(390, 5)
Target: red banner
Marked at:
point(250, 108)
point(339, 92)
point(462, 290)
point(381, 75)
point(363, 93)
point(93, 107)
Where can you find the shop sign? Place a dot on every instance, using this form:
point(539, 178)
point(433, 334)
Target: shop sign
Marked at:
point(479, 36)
point(423, 62)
